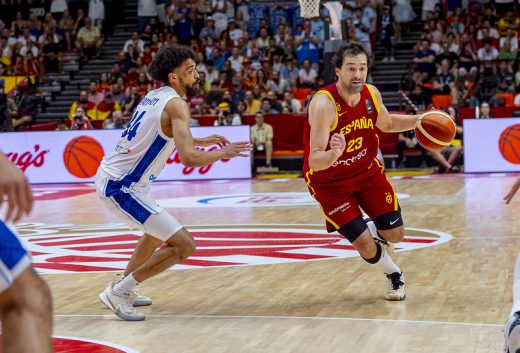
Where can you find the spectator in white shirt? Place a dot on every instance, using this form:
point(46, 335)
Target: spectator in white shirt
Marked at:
point(491, 31)
point(236, 60)
point(235, 33)
point(136, 42)
point(278, 84)
point(292, 104)
point(513, 40)
point(307, 75)
point(487, 56)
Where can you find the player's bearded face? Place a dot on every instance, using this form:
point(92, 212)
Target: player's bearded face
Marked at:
point(353, 73)
point(192, 89)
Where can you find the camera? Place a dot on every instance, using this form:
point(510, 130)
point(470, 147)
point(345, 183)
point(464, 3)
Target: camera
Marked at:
point(225, 113)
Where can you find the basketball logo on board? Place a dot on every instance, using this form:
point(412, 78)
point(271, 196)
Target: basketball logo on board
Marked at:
point(107, 248)
point(509, 144)
point(82, 156)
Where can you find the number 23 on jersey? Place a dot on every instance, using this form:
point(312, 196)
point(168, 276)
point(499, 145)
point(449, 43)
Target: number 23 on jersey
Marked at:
point(355, 144)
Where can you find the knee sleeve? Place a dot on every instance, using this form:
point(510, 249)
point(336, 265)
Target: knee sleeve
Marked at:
point(353, 229)
point(375, 259)
point(389, 220)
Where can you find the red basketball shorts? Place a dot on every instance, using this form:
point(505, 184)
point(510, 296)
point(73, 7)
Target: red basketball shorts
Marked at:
point(341, 200)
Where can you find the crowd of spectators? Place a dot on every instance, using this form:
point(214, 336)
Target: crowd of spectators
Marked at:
point(468, 57)
point(270, 71)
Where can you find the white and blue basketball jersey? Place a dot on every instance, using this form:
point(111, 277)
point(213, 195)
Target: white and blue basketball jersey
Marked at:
point(143, 149)
point(124, 177)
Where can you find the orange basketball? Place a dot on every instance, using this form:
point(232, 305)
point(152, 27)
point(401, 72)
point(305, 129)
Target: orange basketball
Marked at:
point(435, 130)
point(509, 144)
point(82, 156)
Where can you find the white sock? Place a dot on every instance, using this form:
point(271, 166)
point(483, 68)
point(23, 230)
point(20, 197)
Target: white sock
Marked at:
point(126, 284)
point(386, 263)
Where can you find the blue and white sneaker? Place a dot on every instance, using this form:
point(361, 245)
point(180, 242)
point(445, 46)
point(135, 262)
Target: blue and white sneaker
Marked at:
point(121, 303)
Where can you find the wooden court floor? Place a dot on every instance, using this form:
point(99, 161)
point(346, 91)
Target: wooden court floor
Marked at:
point(296, 290)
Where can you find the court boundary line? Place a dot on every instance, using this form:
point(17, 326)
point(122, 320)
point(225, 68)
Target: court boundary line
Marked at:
point(310, 318)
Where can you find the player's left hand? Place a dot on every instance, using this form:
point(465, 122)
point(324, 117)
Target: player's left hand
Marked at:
point(219, 140)
point(513, 191)
point(337, 143)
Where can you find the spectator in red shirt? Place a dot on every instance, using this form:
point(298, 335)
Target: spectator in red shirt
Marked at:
point(107, 107)
point(104, 84)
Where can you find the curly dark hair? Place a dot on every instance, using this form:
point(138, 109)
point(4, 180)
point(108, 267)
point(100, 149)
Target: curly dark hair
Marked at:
point(351, 49)
point(168, 59)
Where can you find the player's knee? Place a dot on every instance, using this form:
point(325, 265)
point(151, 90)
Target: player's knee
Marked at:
point(189, 248)
point(28, 292)
point(390, 226)
point(185, 245)
point(395, 235)
point(43, 300)
point(366, 248)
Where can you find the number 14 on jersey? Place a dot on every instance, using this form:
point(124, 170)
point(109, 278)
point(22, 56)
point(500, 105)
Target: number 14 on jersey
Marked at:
point(133, 126)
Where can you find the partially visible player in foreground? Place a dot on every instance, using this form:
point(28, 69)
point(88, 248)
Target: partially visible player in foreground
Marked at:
point(159, 125)
point(25, 299)
point(512, 329)
point(341, 168)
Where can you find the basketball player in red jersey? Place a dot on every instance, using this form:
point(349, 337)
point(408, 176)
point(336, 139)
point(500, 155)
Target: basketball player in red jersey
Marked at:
point(341, 168)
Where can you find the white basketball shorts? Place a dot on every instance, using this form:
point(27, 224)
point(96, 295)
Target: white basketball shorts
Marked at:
point(137, 208)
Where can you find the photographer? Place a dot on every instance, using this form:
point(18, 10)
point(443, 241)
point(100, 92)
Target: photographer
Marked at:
point(80, 121)
point(224, 117)
point(27, 102)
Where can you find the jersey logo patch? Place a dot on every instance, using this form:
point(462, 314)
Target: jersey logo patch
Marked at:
point(369, 106)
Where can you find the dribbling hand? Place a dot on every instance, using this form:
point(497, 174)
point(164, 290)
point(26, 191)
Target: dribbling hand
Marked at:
point(337, 144)
point(14, 185)
point(237, 149)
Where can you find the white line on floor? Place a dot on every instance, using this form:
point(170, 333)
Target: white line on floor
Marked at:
point(313, 318)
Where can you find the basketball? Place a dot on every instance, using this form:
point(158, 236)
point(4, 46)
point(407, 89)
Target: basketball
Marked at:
point(82, 156)
point(509, 144)
point(435, 130)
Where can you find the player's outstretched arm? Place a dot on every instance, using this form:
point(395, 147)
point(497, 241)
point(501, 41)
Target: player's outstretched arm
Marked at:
point(14, 185)
point(513, 191)
point(179, 115)
point(322, 116)
point(393, 122)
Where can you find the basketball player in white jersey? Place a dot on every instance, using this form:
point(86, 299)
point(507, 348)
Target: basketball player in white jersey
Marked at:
point(159, 124)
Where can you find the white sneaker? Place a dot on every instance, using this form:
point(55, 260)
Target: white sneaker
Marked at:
point(392, 58)
point(120, 303)
point(140, 300)
point(396, 287)
point(385, 59)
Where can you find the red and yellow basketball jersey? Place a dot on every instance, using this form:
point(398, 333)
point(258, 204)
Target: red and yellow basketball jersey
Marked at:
point(358, 124)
